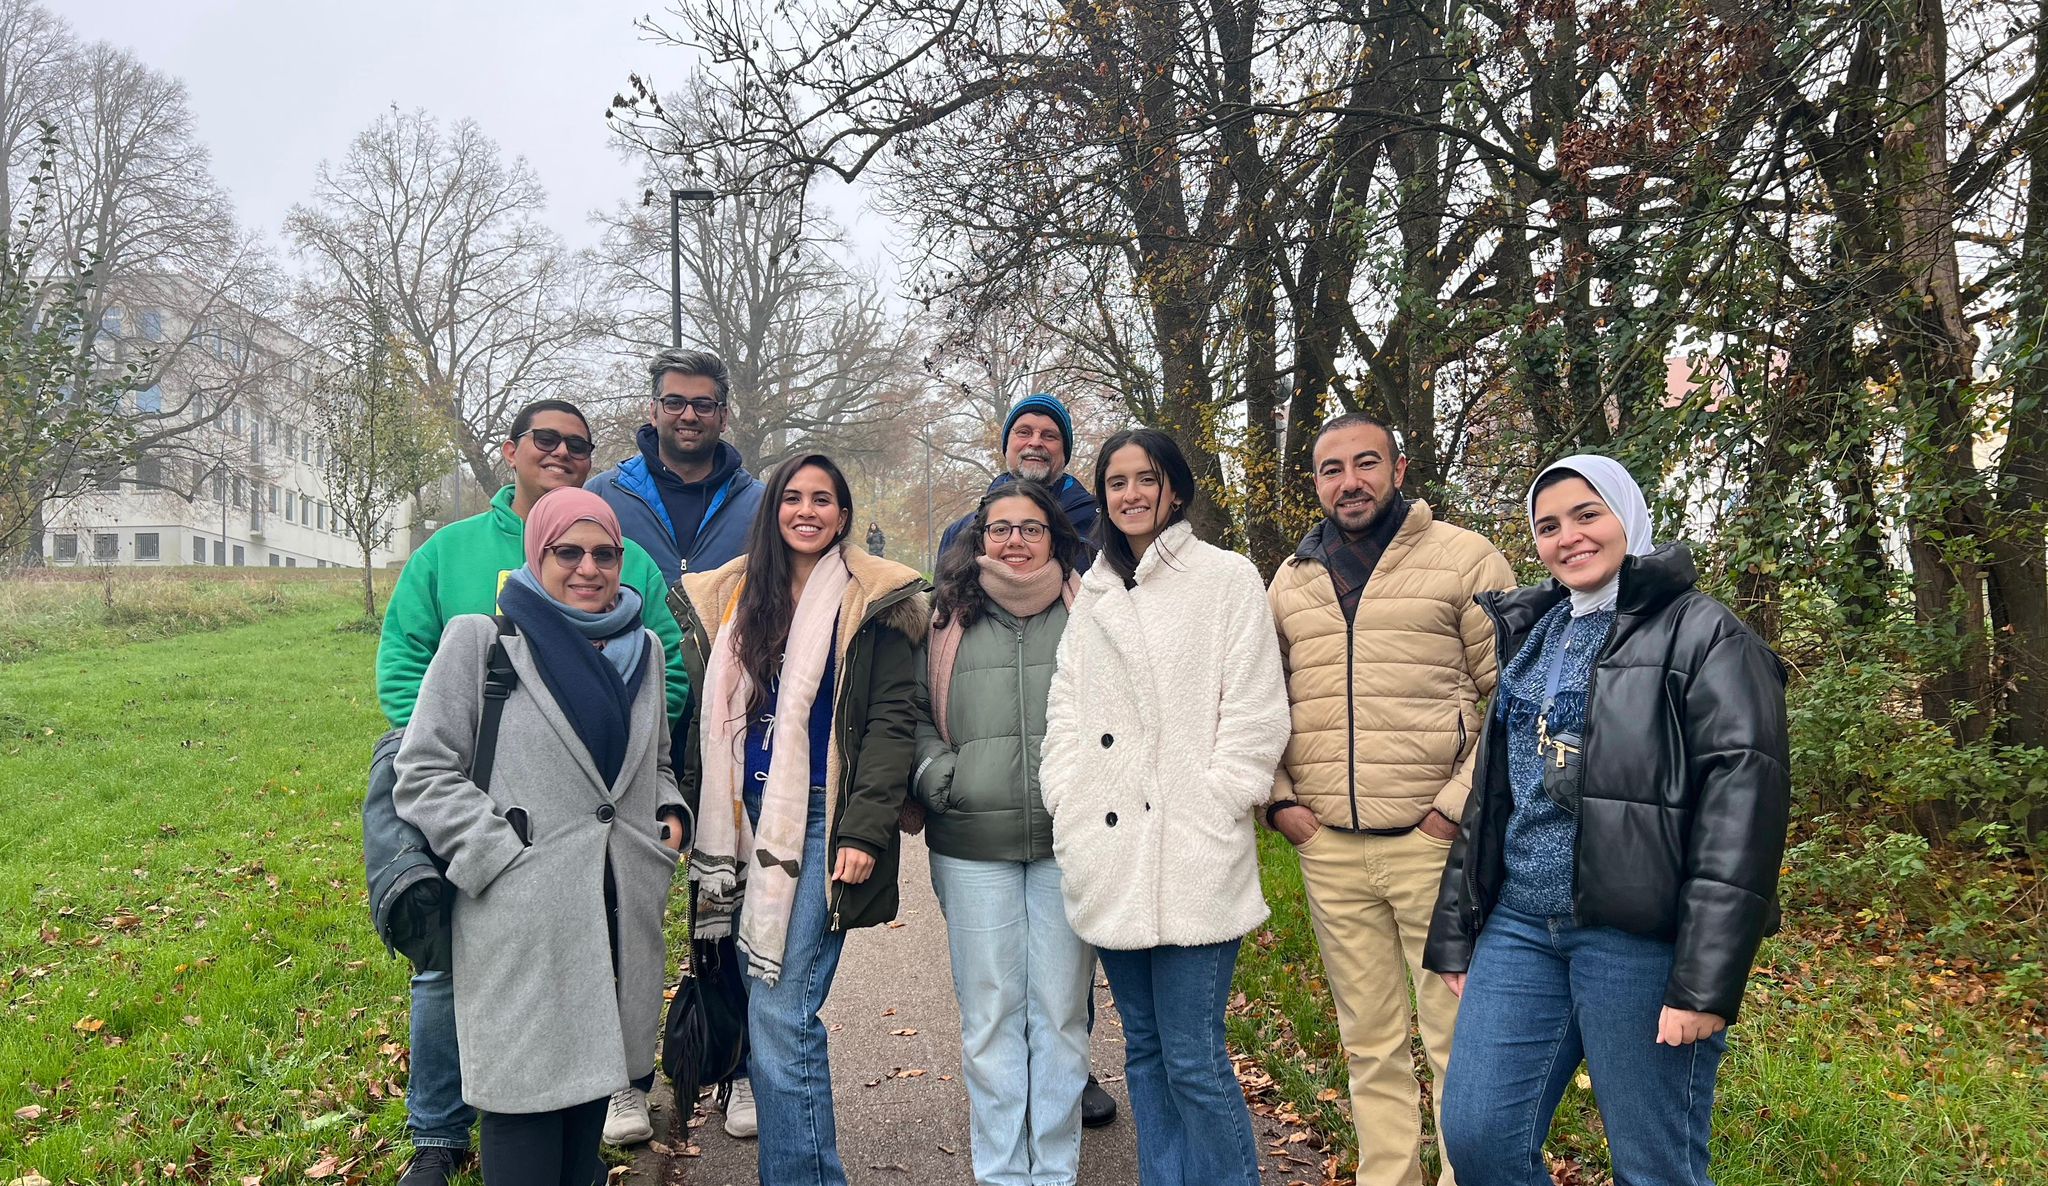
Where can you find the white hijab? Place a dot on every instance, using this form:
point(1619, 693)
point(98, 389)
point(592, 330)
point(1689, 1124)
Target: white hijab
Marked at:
point(1613, 483)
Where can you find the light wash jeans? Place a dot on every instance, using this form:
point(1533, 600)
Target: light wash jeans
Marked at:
point(434, 1110)
point(1193, 1126)
point(786, 1056)
point(1022, 978)
point(1543, 993)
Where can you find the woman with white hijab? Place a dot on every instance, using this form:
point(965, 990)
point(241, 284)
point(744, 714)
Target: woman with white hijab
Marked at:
point(1617, 864)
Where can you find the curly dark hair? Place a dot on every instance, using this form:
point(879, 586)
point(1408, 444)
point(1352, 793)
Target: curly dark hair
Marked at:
point(960, 597)
point(765, 607)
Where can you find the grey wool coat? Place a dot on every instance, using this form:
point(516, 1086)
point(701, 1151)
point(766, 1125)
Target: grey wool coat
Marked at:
point(541, 1020)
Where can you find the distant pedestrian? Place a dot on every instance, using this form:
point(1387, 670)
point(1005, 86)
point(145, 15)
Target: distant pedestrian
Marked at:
point(559, 959)
point(804, 742)
point(459, 570)
point(1165, 721)
point(1020, 973)
point(1616, 867)
point(877, 542)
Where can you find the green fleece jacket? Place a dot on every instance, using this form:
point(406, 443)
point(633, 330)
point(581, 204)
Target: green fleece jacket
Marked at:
point(459, 570)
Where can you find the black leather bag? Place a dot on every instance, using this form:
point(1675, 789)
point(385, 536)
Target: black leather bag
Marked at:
point(704, 1043)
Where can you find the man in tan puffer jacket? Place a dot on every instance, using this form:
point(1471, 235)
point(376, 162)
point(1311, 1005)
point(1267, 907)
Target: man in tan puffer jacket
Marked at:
point(1388, 659)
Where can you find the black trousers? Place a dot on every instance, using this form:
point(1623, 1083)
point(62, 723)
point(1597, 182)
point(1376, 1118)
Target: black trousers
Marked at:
point(556, 1148)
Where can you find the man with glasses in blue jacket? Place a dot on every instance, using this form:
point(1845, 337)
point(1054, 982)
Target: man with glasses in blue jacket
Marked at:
point(688, 500)
point(687, 496)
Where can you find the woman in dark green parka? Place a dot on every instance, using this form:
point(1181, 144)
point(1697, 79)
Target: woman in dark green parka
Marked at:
point(1020, 973)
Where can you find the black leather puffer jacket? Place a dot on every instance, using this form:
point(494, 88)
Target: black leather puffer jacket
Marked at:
point(1686, 791)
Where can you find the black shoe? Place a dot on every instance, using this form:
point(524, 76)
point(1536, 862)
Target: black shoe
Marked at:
point(1098, 1107)
point(433, 1165)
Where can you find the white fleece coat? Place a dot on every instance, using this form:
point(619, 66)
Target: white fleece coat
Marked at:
point(1166, 719)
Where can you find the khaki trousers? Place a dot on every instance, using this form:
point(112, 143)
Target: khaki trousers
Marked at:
point(1370, 898)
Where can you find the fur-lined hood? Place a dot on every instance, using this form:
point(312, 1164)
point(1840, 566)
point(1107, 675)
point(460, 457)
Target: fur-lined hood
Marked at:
point(882, 590)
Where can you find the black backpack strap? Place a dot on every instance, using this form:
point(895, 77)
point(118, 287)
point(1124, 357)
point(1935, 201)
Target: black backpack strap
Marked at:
point(499, 680)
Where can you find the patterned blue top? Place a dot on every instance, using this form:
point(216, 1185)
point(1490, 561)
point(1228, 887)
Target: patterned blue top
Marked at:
point(1541, 835)
point(760, 737)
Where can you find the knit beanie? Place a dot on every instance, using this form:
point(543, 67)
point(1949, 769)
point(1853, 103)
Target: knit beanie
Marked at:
point(1043, 405)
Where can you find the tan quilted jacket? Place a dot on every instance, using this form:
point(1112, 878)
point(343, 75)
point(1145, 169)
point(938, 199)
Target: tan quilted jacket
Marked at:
point(1386, 713)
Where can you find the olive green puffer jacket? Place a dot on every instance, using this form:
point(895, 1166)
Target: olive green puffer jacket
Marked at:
point(982, 791)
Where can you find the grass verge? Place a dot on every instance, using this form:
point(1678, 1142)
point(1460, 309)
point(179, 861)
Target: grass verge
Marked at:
point(192, 989)
point(51, 612)
point(1882, 1043)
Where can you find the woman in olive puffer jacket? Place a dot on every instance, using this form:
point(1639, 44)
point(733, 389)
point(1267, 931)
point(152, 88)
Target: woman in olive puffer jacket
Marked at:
point(1617, 863)
point(1020, 973)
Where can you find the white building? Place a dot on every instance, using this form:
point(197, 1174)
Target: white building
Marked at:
point(245, 485)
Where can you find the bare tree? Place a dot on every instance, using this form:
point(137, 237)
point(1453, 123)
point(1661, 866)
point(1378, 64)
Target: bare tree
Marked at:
point(172, 297)
point(435, 226)
point(386, 440)
point(816, 356)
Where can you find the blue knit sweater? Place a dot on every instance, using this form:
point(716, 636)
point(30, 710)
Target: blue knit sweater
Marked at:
point(761, 737)
point(1541, 835)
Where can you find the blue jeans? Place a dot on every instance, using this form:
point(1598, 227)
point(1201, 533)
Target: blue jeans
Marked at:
point(786, 1056)
point(1542, 994)
point(434, 1110)
point(1193, 1126)
point(1022, 978)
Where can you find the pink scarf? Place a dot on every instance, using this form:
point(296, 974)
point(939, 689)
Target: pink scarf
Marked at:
point(1024, 596)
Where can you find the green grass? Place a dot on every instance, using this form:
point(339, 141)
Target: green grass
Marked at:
point(54, 611)
point(192, 988)
point(1864, 1054)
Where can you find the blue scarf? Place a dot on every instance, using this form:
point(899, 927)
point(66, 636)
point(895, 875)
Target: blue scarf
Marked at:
point(594, 688)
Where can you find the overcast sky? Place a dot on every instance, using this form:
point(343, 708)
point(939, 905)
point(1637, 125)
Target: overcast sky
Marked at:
point(277, 86)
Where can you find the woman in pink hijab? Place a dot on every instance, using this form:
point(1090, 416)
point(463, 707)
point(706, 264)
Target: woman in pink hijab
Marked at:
point(562, 829)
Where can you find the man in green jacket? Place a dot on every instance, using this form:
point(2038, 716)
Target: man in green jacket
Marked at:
point(459, 571)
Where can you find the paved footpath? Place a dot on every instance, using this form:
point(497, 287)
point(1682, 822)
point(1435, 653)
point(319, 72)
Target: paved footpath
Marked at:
point(900, 1102)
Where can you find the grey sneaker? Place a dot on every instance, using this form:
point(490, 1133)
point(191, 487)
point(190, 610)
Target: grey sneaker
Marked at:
point(626, 1121)
point(740, 1120)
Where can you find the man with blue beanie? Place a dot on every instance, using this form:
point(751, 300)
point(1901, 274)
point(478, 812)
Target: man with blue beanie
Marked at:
point(1038, 440)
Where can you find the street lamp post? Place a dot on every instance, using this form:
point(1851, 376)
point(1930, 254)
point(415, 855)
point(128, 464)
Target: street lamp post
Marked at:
point(676, 198)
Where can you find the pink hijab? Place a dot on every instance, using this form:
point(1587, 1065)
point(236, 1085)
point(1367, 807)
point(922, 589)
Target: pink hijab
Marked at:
point(558, 511)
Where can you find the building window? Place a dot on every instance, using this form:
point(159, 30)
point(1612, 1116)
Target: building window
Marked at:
point(291, 440)
point(239, 560)
point(107, 479)
point(146, 545)
point(290, 515)
point(220, 487)
point(149, 471)
point(150, 401)
point(66, 549)
point(320, 515)
point(291, 562)
point(151, 324)
point(110, 322)
point(106, 547)
point(198, 550)
point(273, 500)
point(273, 560)
point(238, 489)
point(220, 552)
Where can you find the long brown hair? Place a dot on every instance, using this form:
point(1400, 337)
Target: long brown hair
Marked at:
point(765, 607)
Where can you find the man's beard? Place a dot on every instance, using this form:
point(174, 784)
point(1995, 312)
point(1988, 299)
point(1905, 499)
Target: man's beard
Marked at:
point(1380, 509)
point(674, 454)
point(1046, 469)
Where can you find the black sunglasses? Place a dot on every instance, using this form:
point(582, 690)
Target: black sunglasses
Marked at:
point(703, 405)
point(547, 440)
point(569, 555)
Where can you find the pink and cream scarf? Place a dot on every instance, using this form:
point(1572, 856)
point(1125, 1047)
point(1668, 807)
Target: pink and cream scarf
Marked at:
point(732, 859)
point(1025, 596)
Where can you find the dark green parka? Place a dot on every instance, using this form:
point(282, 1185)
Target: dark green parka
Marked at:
point(882, 627)
point(982, 790)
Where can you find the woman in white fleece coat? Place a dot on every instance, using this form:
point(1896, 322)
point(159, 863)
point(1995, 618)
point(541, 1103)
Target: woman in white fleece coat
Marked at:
point(1166, 718)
